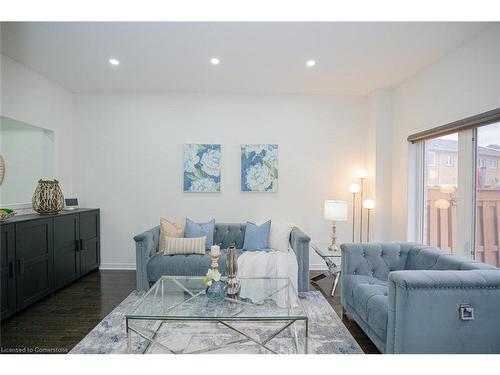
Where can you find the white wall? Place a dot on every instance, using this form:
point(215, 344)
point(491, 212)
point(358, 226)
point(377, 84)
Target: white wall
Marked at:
point(29, 97)
point(24, 168)
point(380, 117)
point(129, 159)
point(463, 83)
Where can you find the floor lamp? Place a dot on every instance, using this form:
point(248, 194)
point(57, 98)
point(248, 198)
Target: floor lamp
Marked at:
point(354, 189)
point(362, 174)
point(369, 204)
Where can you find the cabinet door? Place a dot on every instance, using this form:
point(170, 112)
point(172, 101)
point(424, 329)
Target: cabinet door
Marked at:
point(66, 257)
point(35, 261)
point(8, 281)
point(89, 241)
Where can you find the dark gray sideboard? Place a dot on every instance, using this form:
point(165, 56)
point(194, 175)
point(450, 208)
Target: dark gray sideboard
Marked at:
point(42, 253)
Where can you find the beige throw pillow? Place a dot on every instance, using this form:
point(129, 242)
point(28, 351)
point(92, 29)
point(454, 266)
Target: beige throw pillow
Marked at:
point(176, 245)
point(170, 229)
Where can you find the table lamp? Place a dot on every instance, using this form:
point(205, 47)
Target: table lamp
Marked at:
point(335, 211)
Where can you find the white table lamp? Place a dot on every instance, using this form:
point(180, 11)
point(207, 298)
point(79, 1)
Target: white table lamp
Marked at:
point(335, 211)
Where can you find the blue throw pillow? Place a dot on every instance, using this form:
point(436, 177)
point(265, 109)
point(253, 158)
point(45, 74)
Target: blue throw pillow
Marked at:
point(199, 230)
point(257, 236)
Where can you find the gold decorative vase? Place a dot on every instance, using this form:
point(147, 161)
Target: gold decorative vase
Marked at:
point(48, 197)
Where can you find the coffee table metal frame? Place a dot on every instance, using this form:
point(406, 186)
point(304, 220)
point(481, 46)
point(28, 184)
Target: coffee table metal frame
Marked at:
point(150, 334)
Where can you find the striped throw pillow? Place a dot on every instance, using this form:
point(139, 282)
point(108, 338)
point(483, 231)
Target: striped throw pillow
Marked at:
point(175, 245)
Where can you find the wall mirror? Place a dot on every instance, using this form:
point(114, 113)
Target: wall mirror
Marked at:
point(28, 155)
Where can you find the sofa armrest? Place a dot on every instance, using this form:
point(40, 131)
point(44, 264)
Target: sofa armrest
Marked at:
point(424, 312)
point(299, 242)
point(145, 247)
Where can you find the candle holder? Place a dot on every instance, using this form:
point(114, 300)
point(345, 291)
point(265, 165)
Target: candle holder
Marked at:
point(215, 261)
point(233, 283)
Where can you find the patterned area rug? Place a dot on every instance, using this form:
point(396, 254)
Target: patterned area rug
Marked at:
point(327, 333)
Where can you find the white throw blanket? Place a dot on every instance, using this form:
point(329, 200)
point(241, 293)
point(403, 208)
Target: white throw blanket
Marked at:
point(268, 264)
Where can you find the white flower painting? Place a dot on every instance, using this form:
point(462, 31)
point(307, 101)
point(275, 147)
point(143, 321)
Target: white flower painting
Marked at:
point(202, 168)
point(259, 168)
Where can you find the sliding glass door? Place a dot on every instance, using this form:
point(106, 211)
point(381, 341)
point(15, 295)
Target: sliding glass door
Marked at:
point(440, 217)
point(457, 187)
point(487, 218)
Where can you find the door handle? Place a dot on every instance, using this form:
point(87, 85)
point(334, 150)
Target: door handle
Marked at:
point(21, 266)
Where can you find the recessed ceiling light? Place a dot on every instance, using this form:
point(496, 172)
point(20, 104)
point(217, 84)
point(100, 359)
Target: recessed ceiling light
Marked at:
point(310, 63)
point(214, 61)
point(114, 62)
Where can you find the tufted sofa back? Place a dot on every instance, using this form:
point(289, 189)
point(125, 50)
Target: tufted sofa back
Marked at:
point(378, 259)
point(227, 234)
point(375, 259)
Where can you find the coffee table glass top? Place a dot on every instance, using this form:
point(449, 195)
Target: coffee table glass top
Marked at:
point(184, 298)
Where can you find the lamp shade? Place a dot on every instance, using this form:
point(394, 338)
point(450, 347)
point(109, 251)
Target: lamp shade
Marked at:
point(335, 210)
point(362, 173)
point(442, 204)
point(354, 188)
point(369, 204)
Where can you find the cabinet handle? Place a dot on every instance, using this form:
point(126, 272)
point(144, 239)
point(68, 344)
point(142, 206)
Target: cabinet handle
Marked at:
point(11, 269)
point(81, 245)
point(21, 266)
point(77, 245)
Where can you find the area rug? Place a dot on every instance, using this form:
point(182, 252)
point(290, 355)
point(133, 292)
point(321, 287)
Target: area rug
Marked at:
point(327, 333)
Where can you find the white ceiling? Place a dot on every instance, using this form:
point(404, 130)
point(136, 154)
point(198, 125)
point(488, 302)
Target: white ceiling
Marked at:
point(352, 58)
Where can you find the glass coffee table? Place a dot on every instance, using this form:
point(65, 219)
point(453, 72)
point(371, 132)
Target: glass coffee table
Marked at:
point(177, 298)
point(332, 260)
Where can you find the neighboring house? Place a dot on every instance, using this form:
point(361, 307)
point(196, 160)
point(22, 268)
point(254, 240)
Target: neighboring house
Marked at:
point(442, 164)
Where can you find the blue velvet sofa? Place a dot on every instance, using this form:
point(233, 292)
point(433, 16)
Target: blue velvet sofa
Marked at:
point(411, 298)
point(151, 265)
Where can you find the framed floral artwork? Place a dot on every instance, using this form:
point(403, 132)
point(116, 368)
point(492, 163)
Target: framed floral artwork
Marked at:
point(259, 168)
point(202, 168)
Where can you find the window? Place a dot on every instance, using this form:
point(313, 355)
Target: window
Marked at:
point(440, 187)
point(450, 160)
point(430, 158)
point(487, 218)
point(457, 189)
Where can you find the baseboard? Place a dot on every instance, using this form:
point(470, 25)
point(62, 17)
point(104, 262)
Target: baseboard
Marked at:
point(318, 267)
point(117, 266)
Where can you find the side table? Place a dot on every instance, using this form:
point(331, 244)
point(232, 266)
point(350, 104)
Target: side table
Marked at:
point(332, 260)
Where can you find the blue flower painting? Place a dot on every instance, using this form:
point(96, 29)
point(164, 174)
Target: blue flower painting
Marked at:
point(259, 168)
point(202, 168)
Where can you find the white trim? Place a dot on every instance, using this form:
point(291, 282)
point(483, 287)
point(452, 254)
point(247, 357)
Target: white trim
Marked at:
point(465, 195)
point(416, 162)
point(318, 267)
point(117, 266)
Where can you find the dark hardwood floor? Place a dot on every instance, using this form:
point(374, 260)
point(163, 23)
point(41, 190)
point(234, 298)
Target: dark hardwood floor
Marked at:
point(57, 323)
